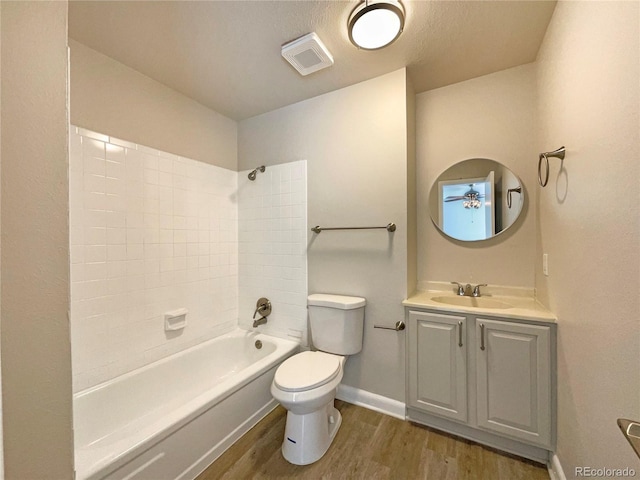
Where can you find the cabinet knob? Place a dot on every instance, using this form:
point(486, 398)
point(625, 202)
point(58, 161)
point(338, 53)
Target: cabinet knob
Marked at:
point(482, 336)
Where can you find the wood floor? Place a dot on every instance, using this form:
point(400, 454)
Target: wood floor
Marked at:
point(370, 445)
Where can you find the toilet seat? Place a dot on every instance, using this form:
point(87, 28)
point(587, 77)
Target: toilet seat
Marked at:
point(306, 371)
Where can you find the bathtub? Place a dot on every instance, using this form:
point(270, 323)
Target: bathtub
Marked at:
point(171, 419)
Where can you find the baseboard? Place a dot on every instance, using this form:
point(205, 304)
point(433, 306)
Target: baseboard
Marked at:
point(372, 401)
point(555, 468)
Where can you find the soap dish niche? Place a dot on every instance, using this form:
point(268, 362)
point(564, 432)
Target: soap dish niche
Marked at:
point(175, 320)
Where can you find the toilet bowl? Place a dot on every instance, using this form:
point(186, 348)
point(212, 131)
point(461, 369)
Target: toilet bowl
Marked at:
point(305, 384)
point(306, 387)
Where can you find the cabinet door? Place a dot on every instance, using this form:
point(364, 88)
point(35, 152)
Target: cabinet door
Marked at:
point(514, 380)
point(438, 364)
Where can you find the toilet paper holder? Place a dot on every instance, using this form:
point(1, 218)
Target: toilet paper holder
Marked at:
point(398, 327)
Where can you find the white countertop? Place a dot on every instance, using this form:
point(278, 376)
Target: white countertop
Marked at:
point(521, 307)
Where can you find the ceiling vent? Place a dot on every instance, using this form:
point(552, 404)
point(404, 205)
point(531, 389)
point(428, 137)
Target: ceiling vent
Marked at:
point(307, 54)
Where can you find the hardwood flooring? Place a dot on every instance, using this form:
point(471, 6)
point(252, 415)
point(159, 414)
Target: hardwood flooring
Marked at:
point(370, 445)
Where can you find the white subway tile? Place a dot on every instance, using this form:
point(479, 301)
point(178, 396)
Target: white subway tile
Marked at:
point(76, 254)
point(115, 186)
point(116, 252)
point(165, 179)
point(179, 249)
point(179, 222)
point(115, 153)
point(116, 269)
point(116, 203)
point(151, 250)
point(135, 237)
point(151, 235)
point(95, 253)
point(135, 219)
point(122, 143)
point(151, 265)
point(165, 163)
point(166, 250)
point(131, 238)
point(95, 271)
point(135, 251)
point(115, 169)
point(147, 150)
point(93, 135)
point(179, 236)
point(116, 219)
point(166, 221)
point(166, 236)
point(151, 176)
point(166, 264)
point(135, 204)
point(180, 263)
point(93, 165)
point(95, 236)
point(116, 236)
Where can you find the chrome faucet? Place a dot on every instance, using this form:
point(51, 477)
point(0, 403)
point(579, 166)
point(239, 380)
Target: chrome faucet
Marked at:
point(476, 290)
point(263, 306)
point(260, 321)
point(468, 290)
point(463, 290)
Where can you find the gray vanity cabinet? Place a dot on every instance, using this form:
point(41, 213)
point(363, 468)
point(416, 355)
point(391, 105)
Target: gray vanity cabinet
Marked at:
point(485, 378)
point(438, 340)
point(514, 379)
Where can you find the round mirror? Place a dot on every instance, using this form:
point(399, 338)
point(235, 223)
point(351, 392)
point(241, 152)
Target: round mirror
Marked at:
point(476, 199)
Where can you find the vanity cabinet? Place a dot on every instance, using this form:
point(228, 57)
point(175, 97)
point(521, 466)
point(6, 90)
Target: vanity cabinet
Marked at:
point(438, 340)
point(485, 378)
point(514, 380)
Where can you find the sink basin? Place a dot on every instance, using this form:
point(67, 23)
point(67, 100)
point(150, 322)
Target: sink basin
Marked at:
point(474, 302)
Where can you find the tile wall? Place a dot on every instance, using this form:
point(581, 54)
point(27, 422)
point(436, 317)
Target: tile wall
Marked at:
point(272, 212)
point(150, 232)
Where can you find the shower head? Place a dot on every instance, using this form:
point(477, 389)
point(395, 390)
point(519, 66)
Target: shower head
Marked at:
point(252, 173)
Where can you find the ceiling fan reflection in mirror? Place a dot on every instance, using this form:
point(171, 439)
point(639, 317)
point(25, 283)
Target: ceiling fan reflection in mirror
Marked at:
point(471, 198)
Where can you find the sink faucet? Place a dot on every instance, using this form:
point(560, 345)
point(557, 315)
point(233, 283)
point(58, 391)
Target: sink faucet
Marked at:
point(468, 290)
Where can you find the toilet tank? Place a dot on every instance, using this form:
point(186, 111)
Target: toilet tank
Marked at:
point(336, 323)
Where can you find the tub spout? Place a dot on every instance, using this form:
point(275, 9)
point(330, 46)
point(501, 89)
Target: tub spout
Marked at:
point(260, 321)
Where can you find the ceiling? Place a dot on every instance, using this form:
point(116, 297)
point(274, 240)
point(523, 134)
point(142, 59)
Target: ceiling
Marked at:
point(226, 54)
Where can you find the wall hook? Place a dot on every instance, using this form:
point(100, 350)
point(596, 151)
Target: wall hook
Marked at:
point(509, 192)
point(559, 153)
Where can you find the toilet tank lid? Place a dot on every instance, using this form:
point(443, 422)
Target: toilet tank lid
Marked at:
point(341, 302)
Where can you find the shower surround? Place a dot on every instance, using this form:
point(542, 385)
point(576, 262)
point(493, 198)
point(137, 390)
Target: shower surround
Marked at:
point(152, 232)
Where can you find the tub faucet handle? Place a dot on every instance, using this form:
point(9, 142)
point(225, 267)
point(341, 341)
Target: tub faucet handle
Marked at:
point(263, 306)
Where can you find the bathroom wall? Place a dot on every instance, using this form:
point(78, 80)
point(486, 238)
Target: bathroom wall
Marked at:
point(272, 217)
point(355, 144)
point(487, 117)
point(36, 357)
point(588, 224)
point(150, 232)
point(111, 98)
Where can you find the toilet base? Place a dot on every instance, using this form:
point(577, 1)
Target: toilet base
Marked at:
point(307, 437)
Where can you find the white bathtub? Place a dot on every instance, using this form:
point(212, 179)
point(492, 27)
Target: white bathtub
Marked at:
point(172, 418)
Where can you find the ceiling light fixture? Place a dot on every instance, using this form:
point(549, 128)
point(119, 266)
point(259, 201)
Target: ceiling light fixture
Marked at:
point(375, 24)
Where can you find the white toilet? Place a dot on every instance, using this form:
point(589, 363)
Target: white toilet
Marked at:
point(305, 384)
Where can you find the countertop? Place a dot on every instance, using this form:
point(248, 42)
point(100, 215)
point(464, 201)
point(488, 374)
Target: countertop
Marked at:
point(520, 307)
